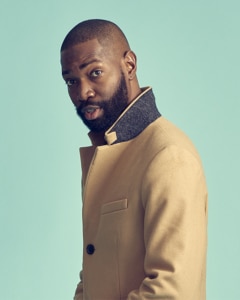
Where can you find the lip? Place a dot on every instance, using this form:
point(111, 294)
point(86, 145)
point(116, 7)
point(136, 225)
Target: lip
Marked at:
point(89, 109)
point(92, 112)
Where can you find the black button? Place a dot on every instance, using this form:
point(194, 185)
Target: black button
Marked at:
point(90, 249)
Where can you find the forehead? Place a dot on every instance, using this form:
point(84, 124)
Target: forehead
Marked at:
point(83, 52)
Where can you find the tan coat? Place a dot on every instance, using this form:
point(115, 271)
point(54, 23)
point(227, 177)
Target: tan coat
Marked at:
point(144, 217)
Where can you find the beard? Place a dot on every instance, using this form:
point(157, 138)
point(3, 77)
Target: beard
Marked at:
point(112, 108)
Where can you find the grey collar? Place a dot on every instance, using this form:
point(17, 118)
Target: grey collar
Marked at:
point(136, 117)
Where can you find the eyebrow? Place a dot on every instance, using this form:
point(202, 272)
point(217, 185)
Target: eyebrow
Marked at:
point(82, 66)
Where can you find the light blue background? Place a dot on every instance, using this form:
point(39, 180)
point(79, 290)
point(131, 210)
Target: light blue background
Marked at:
point(188, 51)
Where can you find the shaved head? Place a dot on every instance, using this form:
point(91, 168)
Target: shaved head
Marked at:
point(108, 34)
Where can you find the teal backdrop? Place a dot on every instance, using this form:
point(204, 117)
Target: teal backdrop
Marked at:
point(188, 51)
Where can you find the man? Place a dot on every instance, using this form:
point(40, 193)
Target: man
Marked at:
point(144, 191)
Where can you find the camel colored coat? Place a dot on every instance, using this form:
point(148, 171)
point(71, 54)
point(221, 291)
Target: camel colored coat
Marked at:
point(144, 212)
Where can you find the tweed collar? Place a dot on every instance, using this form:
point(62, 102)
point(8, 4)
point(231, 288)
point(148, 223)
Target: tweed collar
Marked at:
point(136, 117)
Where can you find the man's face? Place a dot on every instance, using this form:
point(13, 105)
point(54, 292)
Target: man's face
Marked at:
point(96, 84)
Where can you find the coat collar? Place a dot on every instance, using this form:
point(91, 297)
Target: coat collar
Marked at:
point(141, 112)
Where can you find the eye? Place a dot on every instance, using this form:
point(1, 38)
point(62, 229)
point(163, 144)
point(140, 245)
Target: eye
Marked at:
point(70, 82)
point(96, 73)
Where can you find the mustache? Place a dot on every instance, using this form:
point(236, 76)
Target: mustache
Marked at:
point(85, 103)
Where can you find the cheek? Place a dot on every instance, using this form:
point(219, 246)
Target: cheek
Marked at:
point(110, 87)
point(106, 92)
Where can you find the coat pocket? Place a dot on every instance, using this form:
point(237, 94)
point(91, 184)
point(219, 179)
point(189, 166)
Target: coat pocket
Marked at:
point(114, 206)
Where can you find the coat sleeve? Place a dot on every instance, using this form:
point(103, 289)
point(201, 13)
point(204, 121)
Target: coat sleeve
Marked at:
point(174, 197)
point(79, 290)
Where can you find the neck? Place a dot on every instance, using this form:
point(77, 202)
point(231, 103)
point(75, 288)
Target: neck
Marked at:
point(135, 90)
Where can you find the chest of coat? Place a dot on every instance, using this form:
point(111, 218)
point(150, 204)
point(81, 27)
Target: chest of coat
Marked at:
point(112, 185)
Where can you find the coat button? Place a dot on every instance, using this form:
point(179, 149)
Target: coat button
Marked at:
point(90, 249)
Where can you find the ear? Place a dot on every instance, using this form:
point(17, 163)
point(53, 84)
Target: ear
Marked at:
point(130, 63)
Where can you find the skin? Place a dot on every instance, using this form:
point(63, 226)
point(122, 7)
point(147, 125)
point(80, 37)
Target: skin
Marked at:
point(93, 73)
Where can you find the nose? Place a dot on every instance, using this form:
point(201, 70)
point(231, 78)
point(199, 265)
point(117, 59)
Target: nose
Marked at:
point(85, 91)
